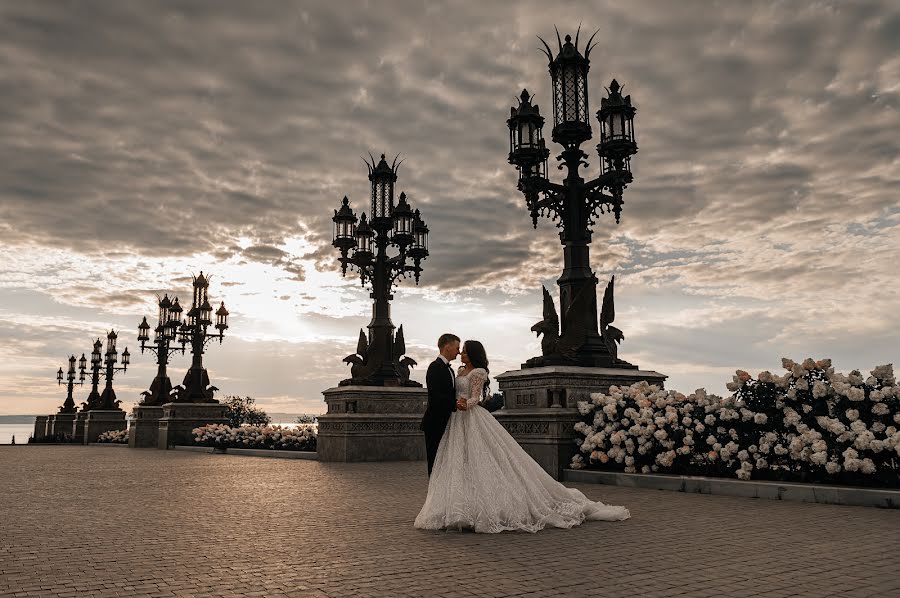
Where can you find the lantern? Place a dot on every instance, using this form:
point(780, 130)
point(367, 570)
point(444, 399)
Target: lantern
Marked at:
point(143, 331)
point(568, 71)
point(617, 143)
point(95, 354)
point(364, 236)
point(221, 318)
point(419, 248)
point(526, 140)
point(344, 227)
point(403, 218)
point(383, 178)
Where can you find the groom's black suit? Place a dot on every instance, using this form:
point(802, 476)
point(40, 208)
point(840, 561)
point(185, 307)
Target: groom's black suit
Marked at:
point(441, 403)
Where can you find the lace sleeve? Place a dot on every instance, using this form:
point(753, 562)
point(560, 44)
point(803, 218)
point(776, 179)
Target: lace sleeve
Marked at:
point(476, 387)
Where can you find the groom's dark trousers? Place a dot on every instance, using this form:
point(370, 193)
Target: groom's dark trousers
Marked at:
point(441, 403)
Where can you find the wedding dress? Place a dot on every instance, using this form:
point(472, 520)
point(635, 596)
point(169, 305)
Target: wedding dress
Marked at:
point(483, 480)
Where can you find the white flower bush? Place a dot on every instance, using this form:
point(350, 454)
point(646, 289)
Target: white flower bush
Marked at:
point(301, 438)
point(114, 437)
point(810, 424)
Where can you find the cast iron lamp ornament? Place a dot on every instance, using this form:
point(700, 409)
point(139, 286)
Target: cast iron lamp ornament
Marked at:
point(379, 360)
point(69, 405)
point(107, 399)
point(575, 203)
point(165, 333)
point(196, 388)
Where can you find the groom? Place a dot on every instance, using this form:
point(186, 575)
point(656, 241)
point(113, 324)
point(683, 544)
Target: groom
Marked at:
point(441, 383)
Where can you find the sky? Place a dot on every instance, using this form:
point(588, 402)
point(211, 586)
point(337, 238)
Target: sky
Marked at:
point(141, 143)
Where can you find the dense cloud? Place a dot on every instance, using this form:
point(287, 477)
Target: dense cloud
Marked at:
point(142, 142)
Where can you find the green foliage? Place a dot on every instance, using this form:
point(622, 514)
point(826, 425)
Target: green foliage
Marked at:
point(241, 410)
point(306, 419)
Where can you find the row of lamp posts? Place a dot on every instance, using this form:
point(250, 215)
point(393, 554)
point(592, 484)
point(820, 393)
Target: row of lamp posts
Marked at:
point(170, 329)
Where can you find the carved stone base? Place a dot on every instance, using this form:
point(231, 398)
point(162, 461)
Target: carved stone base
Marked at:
point(63, 423)
point(372, 423)
point(40, 426)
point(179, 419)
point(540, 406)
point(99, 421)
point(78, 430)
point(144, 430)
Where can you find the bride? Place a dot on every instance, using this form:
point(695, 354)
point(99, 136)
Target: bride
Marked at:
point(484, 481)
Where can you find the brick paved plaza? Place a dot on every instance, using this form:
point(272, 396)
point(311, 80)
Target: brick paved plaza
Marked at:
point(110, 521)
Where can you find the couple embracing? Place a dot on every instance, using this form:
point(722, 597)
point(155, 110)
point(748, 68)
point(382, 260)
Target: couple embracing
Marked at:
point(479, 476)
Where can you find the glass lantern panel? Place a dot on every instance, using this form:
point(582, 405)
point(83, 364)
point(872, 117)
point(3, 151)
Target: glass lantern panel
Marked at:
point(570, 103)
point(558, 100)
point(581, 97)
point(615, 126)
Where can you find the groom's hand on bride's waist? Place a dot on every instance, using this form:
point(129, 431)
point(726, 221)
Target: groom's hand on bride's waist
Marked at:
point(461, 404)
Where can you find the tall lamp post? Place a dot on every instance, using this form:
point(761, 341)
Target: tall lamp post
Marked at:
point(69, 405)
point(108, 399)
point(378, 361)
point(196, 388)
point(575, 203)
point(165, 333)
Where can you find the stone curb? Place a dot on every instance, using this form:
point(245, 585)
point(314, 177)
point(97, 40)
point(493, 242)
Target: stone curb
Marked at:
point(125, 444)
point(831, 495)
point(271, 453)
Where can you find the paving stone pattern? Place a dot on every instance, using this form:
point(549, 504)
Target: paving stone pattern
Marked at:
point(91, 521)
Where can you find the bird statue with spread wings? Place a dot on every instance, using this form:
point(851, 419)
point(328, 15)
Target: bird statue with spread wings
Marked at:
point(405, 364)
point(359, 359)
point(565, 347)
point(610, 334)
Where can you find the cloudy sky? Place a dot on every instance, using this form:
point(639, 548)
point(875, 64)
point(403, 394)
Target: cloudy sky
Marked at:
point(143, 142)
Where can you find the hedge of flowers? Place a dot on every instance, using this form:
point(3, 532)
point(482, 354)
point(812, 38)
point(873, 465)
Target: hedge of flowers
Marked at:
point(114, 437)
point(301, 438)
point(810, 424)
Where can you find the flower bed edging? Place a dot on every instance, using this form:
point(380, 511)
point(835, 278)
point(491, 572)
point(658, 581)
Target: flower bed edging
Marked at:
point(271, 453)
point(832, 495)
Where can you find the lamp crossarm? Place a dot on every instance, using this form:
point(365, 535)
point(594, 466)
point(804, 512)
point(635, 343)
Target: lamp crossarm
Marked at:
point(604, 180)
point(548, 199)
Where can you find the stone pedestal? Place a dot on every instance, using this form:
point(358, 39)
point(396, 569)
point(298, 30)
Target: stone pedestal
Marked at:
point(99, 421)
point(40, 427)
point(179, 420)
point(64, 423)
point(144, 430)
point(372, 423)
point(78, 429)
point(540, 406)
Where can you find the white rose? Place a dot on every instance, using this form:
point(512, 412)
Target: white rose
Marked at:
point(832, 467)
point(760, 418)
point(852, 414)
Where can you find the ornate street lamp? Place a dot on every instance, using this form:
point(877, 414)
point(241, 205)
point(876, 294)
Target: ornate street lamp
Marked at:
point(196, 388)
point(107, 399)
point(574, 338)
point(164, 335)
point(69, 405)
point(364, 247)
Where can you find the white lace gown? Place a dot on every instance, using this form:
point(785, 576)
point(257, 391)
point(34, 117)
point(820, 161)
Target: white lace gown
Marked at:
point(484, 481)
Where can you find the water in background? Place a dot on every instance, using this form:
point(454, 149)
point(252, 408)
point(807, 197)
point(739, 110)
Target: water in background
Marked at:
point(20, 431)
point(23, 431)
